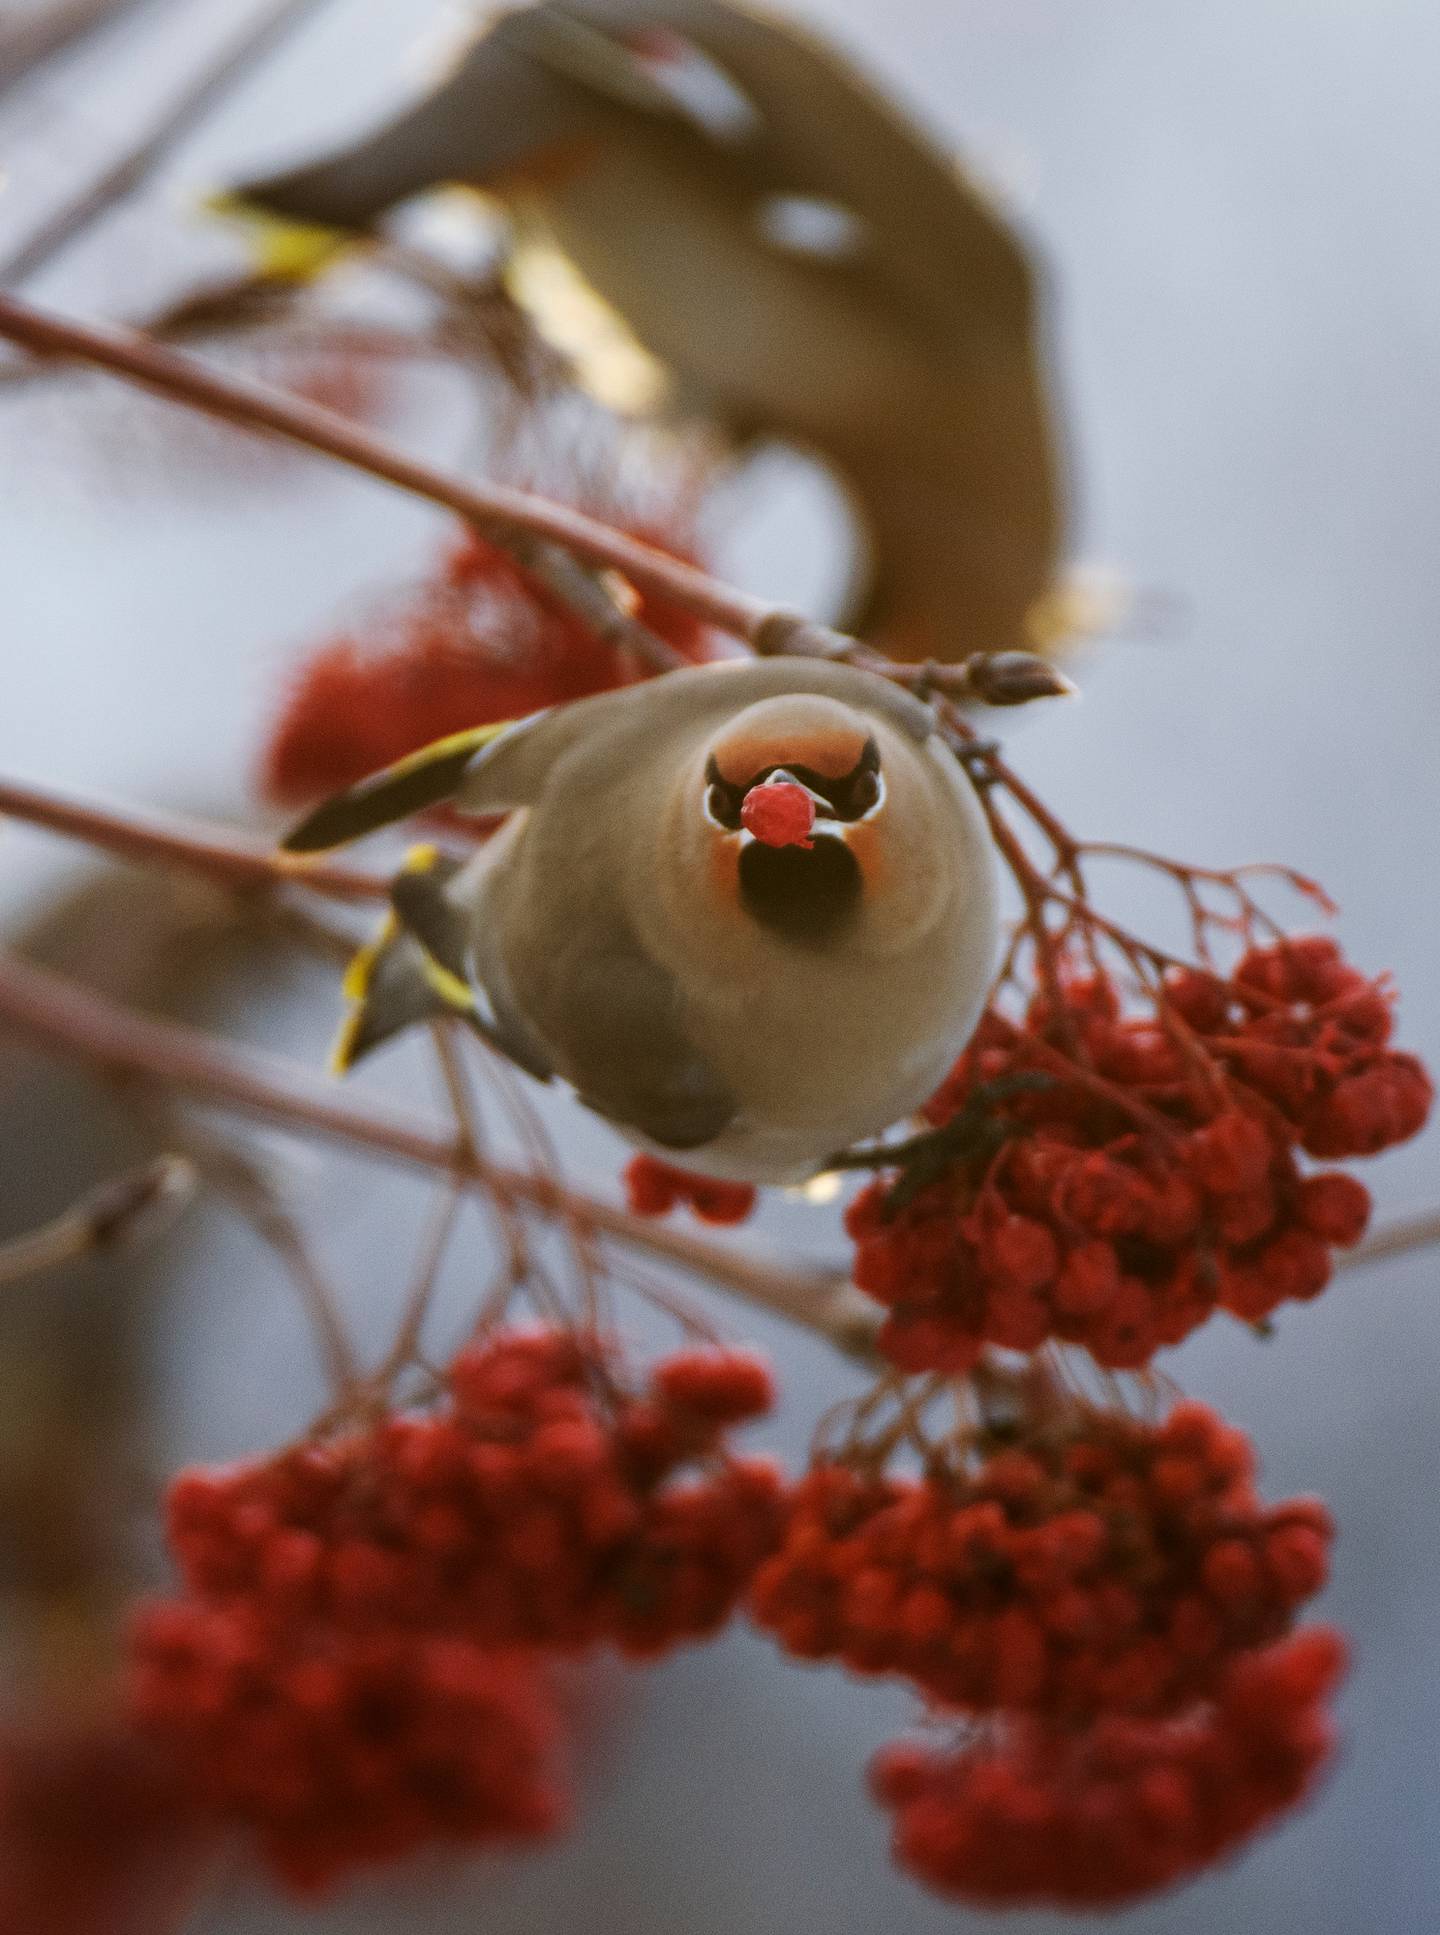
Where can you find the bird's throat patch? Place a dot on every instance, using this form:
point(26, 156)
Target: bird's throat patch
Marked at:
point(806, 894)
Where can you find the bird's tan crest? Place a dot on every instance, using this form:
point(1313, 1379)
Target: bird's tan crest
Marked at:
point(833, 751)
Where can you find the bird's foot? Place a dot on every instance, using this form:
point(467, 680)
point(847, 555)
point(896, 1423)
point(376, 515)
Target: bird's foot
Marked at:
point(976, 1131)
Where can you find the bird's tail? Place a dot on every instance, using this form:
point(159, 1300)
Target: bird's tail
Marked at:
point(505, 105)
point(352, 189)
point(417, 969)
point(413, 970)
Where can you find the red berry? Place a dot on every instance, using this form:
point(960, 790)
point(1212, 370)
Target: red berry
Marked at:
point(779, 815)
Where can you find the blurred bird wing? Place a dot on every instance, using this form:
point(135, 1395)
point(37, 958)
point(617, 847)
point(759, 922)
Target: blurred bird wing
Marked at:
point(560, 40)
point(823, 129)
point(499, 112)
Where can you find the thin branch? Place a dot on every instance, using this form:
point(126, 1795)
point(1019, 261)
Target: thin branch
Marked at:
point(1406, 1233)
point(496, 508)
point(27, 39)
point(420, 1295)
point(127, 1209)
point(501, 511)
point(230, 859)
point(124, 174)
point(241, 1181)
point(79, 1025)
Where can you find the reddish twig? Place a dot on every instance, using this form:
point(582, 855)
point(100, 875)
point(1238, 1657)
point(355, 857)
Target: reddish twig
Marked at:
point(229, 859)
point(29, 38)
point(496, 508)
point(124, 173)
point(79, 1025)
point(1405, 1234)
point(125, 1210)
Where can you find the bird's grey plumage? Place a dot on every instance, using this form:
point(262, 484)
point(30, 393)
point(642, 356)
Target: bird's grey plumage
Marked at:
point(607, 931)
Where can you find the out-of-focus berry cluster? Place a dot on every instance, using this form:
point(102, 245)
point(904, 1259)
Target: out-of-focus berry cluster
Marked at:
point(1093, 1819)
point(1113, 1567)
point(357, 1666)
point(482, 641)
point(1109, 1600)
point(340, 1750)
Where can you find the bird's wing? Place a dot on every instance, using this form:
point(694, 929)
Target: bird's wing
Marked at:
point(422, 779)
point(631, 1060)
point(497, 113)
point(823, 129)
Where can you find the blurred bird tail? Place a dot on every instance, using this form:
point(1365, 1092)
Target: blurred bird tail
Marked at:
point(350, 190)
point(949, 576)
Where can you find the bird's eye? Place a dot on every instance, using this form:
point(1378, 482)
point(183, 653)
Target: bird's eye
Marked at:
point(864, 792)
point(723, 804)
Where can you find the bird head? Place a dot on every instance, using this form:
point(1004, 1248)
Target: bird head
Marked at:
point(791, 796)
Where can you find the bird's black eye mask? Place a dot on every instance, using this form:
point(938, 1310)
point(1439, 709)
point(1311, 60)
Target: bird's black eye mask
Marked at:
point(848, 798)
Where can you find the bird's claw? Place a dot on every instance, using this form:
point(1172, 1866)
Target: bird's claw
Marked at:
point(977, 1130)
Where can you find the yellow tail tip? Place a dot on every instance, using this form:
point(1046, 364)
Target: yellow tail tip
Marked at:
point(342, 1052)
point(283, 250)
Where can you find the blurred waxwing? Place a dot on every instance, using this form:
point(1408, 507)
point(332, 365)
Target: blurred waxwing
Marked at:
point(748, 911)
point(806, 261)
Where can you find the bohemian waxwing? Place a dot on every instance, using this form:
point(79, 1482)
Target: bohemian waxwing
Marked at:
point(751, 1005)
point(807, 263)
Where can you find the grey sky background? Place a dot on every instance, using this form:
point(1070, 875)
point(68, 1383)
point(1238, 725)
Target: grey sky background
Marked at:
point(1239, 206)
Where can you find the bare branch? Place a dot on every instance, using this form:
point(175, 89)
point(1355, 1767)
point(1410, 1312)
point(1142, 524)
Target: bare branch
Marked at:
point(497, 509)
point(1406, 1233)
point(30, 34)
point(124, 172)
point(244, 1183)
point(82, 1026)
point(125, 1210)
point(229, 859)
point(526, 524)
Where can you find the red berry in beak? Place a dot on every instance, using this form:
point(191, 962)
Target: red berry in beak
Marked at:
point(780, 815)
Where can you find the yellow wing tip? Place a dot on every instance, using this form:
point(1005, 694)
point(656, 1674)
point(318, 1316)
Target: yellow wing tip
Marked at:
point(342, 1053)
point(356, 983)
point(471, 739)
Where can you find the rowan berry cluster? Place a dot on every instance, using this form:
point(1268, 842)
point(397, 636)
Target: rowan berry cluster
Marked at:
point(354, 1670)
point(1094, 1818)
point(654, 1188)
point(1148, 1170)
point(538, 1506)
point(1100, 1603)
point(342, 1749)
point(1103, 1566)
point(480, 642)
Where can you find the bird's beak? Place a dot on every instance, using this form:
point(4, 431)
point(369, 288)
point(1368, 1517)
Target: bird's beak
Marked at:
point(824, 822)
